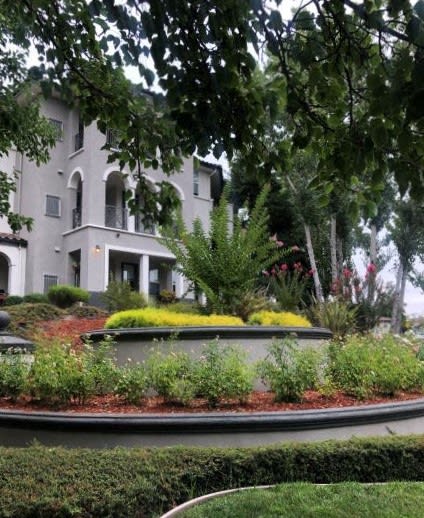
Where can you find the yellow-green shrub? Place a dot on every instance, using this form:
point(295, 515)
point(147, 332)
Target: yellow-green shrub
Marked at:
point(154, 317)
point(272, 318)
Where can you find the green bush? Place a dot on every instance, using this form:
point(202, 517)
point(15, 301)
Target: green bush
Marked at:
point(132, 383)
point(123, 483)
point(119, 296)
point(167, 297)
point(13, 300)
point(337, 315)
point(64, 295)
point(171, 375)
point(99, 362)
point(288, 370)
point(36, 298)
point(222, 372)
point(365, 366)
point(13, 373)
point(86, 311)
point(57, 375)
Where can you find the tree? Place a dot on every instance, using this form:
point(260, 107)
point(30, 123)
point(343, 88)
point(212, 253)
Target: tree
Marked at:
point(348, 74)
point(407, 233)
point(226, 262)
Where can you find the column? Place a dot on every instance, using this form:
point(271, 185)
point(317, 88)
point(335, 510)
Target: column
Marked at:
point(144, 275)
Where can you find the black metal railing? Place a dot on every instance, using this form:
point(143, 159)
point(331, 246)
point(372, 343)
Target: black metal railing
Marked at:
point(116, 217)
point(142, 227)
point(76, 217)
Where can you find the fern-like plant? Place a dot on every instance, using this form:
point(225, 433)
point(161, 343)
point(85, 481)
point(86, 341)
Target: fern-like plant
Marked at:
point(226, 261)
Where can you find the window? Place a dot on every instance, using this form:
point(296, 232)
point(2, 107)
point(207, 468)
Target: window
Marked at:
point(196, 182)
point(112, 138)
point(57, 128)
point(79, 137)
point(52, 206)
point(49, 281)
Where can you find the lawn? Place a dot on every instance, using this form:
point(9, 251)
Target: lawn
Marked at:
point(302, 500)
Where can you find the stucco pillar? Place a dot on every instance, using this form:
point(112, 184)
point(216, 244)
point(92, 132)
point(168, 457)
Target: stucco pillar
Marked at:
point(144, 274)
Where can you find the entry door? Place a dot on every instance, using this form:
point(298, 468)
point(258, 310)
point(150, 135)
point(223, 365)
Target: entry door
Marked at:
point(130, 274)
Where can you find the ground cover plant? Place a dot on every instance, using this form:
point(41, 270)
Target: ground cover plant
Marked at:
point(53, 482)
point(301, 499)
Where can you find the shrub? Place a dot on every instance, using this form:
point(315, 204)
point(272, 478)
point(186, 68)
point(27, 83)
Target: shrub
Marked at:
point(154, 317)
point(13, 300)
point(171, 375)
point(365, 366)
point(86, 311)
point(36, 298)
point(224, 261)
point(57, 375)
point(288, 370)
point(273, 318)
point(119, 296)
point(337, 315)
point(99, 361)
point(130, 482)
point(132, 383)
point(223, 372)
point(64, 296)
point(167, 297)
point(13, 373)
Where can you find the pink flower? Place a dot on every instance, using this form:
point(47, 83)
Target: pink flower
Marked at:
point(298, 266)
point(295, 248)
point(279, 244)
point(266, 273)
point(347, 274)
point(371, 268)
point(284, 267)
point(311, 272)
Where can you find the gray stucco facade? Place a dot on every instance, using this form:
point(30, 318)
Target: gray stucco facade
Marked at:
point(83, 233)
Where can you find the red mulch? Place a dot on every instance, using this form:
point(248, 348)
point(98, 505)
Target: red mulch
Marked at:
point(69, 329)
point(258, 402)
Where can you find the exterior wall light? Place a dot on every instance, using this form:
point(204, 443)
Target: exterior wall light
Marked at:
point(97, 249)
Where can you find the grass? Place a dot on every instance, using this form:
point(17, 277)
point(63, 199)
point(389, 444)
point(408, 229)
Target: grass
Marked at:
point(302, 500)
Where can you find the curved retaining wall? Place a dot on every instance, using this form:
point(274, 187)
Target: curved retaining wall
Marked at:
point(209, 429)
point(136, 343)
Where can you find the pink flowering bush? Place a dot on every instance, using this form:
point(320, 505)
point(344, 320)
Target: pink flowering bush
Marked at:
point(288, 283)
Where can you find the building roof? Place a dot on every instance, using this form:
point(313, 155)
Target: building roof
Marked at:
point(13, 239)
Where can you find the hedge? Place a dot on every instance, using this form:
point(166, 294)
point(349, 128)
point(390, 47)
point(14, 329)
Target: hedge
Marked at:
point(53, 482)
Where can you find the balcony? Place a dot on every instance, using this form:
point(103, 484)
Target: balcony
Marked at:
point(116, 217)
point(76, 217)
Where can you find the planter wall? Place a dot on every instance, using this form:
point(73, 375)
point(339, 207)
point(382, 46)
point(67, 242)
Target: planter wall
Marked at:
point(136, 344)
point(209, 429)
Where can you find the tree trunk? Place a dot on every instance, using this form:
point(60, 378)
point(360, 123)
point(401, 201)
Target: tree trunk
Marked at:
point(401, 277)
point(340, 258)
point(318, 289)
point(333, 249)
point(373, 260)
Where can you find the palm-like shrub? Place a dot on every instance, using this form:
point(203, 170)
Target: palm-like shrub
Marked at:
point(225, 262)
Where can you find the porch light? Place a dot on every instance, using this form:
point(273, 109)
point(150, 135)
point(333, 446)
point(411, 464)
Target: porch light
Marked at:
point(97, 249)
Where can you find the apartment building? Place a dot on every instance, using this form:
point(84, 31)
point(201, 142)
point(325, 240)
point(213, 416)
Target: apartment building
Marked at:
point(83, 233)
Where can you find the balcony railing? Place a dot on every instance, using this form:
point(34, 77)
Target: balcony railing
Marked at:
point(76, 217)
point(116, 217)
point(142, 228)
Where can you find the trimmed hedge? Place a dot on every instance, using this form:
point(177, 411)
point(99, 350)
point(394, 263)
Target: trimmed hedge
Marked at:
point(63, 295)
point(53, 482)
